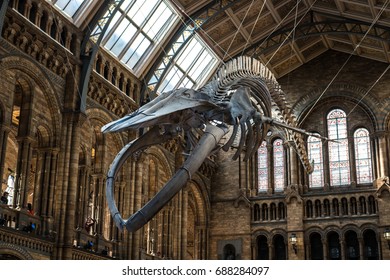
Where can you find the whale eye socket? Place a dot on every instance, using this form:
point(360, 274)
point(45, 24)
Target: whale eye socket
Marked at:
point(186, 94)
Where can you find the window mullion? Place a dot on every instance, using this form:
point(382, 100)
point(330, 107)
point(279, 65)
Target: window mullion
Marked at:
point(112, 30)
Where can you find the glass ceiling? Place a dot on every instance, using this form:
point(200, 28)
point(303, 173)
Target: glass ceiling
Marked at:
point(70, 7)
point(137, 28)
point(192, 66)
point(135, 32)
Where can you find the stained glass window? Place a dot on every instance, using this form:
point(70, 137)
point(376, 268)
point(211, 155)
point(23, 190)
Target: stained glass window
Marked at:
point(338, 151)
point(263, 167)
point(136, 28)
point(362, 156)
point(316, 178)
point(278, 156)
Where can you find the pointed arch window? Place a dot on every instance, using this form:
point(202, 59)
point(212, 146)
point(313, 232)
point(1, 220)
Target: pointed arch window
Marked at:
point(278, 156)
point(316, 178)
point(338, 151)
point(263, 167)
point(363, 156)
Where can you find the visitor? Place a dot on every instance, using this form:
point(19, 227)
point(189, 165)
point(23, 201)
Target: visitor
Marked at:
point(29, 209)
point(4, 198)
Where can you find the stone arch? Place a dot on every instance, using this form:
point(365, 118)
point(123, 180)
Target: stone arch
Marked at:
point(372, 227)
point(350, 227)
point(201, 204)
point(196, 220)
point(202, 189)
point(278, 231)
point(331, 228)
point(314, 229)
point(350, 92)
point(44, 135)
point(386, 122)
point(259, 232)
point(163, 158)
point(11, 249)
point(35, 73)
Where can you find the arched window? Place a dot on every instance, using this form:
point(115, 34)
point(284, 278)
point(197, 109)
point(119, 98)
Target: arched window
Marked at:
point(316, 178)
point(309, 209)
point(278, 155)
point(318, 210)
point(362, 205)
point(281, 211)
point(273, 211)
point(338, 151)
point(371, 205)
point(326, 208)
point(264, 212)
point(263, 167)
point(353, 206)
point(335, 204)
point(344, 206)
point(363, 156)
point(256, 212)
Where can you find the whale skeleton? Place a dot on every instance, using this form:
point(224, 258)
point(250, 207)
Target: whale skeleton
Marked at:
point(238, 99)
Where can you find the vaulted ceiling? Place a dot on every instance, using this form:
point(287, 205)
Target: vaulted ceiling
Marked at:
point(286, 34)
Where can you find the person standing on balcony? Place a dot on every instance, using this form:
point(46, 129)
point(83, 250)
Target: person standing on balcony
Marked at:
point(4, 198)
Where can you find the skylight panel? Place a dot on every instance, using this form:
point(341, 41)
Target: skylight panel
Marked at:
point(137, 28)
point(70, 7)
point(193, 65)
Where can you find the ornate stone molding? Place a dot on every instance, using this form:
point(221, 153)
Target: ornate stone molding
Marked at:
point(15, 250)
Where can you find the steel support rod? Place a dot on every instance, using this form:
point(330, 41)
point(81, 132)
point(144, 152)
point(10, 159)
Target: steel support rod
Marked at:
point(3, 11)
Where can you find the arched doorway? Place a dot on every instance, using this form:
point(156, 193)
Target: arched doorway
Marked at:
point(334, 249)
point(352, 245)
point(371, 251)
point(229, 252)
point(316, 248)
point(279, 247)
point(262, 248)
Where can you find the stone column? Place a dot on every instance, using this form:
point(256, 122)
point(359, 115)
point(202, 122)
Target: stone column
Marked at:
point(4, 131)
point(184, 221)
point(293, 164)
point(308, 250)
point(361, 248)
point(53, 182)
point(270, 170)
point(325, 153)
point(352, 161)
point(27, 8)
point(325, 248)
point(342, 247)
point(22, 172)
point(66, 189)
point(382, 154)
point(38, 182)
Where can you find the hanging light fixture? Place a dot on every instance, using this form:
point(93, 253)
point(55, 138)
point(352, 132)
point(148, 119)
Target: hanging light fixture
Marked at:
point(386, 235)
point(293, 241)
